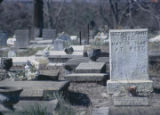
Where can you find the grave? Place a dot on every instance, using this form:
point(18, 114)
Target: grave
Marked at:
point(89, 72)
point(49, 34)
point(58, 44)
point(59, 57)
point(41, 90)
point(129, 65)
point(86, 77)
point(48, 75)
point(22, 38)
point(91, 67)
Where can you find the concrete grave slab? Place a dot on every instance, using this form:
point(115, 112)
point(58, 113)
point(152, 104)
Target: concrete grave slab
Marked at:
point(87, 77)
point(48, 75)
point(37, 89)
point(22, 60)
point(91, 67)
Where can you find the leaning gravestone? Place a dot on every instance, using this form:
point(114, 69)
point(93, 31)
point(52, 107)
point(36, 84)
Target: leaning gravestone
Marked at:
point(22, 38)
point(49, 34)
point(129, 65)
point(58, 44)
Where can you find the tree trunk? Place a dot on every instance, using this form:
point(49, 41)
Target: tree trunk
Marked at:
point(38, 15)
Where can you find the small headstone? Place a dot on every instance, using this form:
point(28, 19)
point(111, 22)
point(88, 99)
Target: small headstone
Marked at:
point(22, 38)
point(12, 52)
point(49, 34)
point(3, 39)
point(58, 44)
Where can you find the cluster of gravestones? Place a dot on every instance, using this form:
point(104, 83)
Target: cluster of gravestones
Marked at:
point(129, 82)
point(24, 36)
point(129, 79)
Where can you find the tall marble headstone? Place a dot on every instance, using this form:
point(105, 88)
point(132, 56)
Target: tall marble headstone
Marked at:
point(22, 38)
point(58, 44)
point(49, 34)
point(128, 60)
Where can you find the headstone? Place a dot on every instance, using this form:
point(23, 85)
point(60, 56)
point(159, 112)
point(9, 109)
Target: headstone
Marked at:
point(49, 34)
point(58, 44)
point(12, 52)
point(3, 39)
point(129, 60)
point(22, 38)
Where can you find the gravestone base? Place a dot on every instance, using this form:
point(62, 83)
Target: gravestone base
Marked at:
point(141, 85)
point(131, 101)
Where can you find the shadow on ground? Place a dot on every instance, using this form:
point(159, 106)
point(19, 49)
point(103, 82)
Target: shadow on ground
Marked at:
point(78, 99)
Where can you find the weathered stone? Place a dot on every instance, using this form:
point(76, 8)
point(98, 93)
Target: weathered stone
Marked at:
point(37, 89)
point(58, 44)
point(11, 53)
point(22, 38)
point(129, 60)
point(91, 67)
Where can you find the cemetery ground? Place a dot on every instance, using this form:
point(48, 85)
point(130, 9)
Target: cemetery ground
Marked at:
point(91, 98)
point(83, 98)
